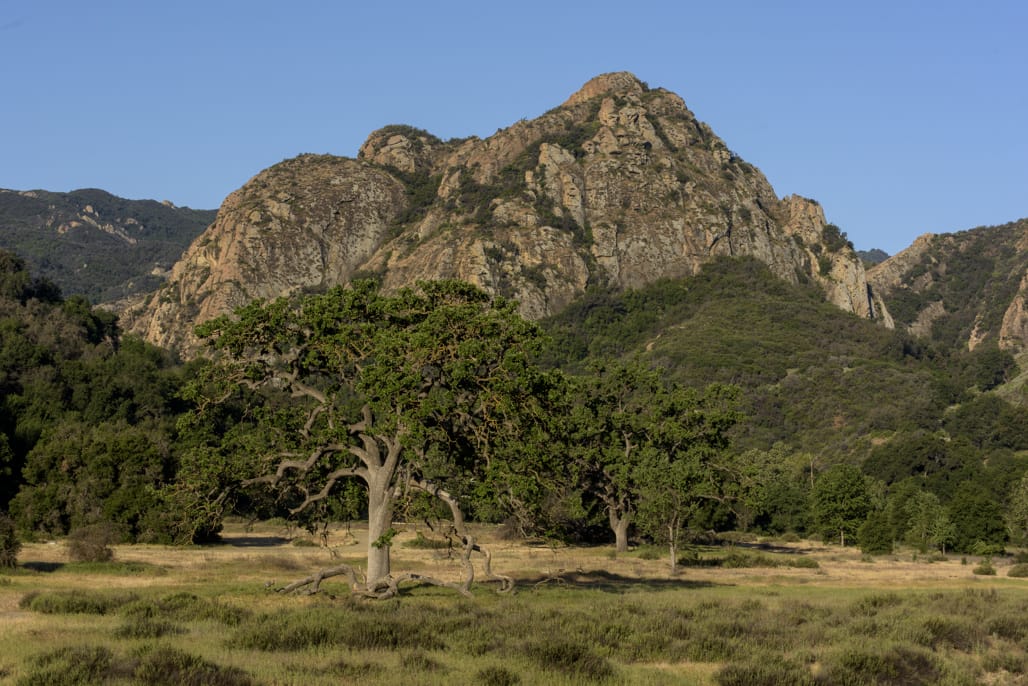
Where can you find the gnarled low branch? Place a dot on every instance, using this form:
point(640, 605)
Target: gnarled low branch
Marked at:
point(388, 587)
point(467, 540)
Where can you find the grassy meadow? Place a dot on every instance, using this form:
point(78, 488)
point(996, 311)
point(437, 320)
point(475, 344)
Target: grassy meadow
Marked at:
point(752, 613)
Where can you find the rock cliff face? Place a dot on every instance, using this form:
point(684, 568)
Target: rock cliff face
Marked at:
point(306, 223)
point(964, 289)
point(619, 186)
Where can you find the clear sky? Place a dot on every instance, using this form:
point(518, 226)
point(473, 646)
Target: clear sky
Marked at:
point(900, 117)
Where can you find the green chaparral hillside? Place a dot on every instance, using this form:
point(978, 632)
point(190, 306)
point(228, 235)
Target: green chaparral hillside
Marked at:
point(822, 380)
point(95, 244)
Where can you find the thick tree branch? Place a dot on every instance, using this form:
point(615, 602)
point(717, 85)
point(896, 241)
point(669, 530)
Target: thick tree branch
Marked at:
point(302, 466)
point(330, 484)
point(467, 540)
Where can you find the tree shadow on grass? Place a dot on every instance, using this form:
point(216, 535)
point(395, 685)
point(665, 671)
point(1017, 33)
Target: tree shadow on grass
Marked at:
point(780, 549)
point(43, 567)
point(609, 582)
point(253, 541)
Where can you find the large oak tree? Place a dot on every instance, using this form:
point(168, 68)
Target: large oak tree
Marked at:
point(431, 389)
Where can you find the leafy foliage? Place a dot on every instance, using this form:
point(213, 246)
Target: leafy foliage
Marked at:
point(841, 502)
point(826, 386)
point(875, 536)
point(817, 378)
point(88, 431)
point(977, 520)
point(86, 428)
point(642, 446)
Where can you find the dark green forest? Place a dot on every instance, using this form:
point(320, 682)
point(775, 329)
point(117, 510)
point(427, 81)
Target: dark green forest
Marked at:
point(750, 405)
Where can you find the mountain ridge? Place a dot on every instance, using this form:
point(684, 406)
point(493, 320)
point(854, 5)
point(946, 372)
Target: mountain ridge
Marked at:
point(964, 289)
point(96, 244)
point(618, 186)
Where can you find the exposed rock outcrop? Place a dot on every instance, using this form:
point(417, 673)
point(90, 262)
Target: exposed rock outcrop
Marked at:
point(619, 186)
point(304, 224)
point(966, 289)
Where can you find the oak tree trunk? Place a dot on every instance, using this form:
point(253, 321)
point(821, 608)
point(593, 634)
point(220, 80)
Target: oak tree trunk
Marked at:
point(620, 528)
point(380, 520)
point(672, 548)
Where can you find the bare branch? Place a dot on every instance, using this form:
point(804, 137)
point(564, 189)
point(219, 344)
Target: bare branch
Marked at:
point(326, 490)
point(302, 466)
point(314, 580)
point(301, 390)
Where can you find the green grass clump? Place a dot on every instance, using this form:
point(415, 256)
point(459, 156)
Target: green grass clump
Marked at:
point(419, 661)
point(70, 666)
point(871, 605)
point(147, 627)
point(1005, 661)
point(328, 626)
point(1011, 625)
point(1018, 571)
point(421, 542)
point(75, 602)
point(572, 658)
point(856, 666)
point(496, 676)
point(984, 568)
point(357, 672)
point(766, 670)
point(187, 607)
point(165, 665)
point(151, 666)
point(649, 552)
point(114, 568)
point(743, 560)
point(952, 632)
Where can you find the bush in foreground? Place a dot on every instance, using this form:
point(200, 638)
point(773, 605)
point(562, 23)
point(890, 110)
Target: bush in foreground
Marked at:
point(169, 666)
point(767, 671)
point(571, 658)
point(89, 665)
point(91, 543)
point(75, 602)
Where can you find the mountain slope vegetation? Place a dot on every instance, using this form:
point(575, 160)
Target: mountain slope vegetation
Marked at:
point(822, 380)
point(961, 289)
point(95, 244)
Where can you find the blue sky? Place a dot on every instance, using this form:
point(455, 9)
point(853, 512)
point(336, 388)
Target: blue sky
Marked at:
point(900, 117)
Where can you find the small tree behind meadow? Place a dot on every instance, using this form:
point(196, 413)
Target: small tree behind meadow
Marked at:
point(10, 545)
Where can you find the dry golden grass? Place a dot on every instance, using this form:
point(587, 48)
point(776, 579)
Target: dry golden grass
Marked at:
point(551, 578)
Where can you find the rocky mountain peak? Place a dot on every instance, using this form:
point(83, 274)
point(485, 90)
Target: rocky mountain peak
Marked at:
point(406, 148)
point(619, 186)
point(613, 83)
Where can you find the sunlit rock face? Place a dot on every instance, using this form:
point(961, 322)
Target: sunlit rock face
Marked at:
point(619, 186)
